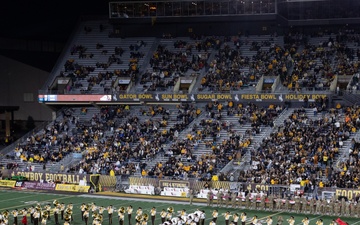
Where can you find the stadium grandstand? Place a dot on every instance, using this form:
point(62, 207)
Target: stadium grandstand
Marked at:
point(185, 98)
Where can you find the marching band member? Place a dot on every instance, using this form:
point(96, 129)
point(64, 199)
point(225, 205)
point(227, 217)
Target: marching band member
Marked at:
point(85, 215)
point(56, 214)
point(189, 219)
point(215, 215)
point(138, 216)
point(62, 210)
point(6, 217)
point(182, 213)
point(44, 218)
point(291, 220)
point(48, 210)
point(319, 222)
point(269, 220)
point(139, 211)
point(15, 214)
point(121, 215)
point(69, 213)
point(69, 210)
point(254, 220)
point(101, 210)
point(67, 217)
point(153, 215)
point(144, 219)
point(24, 216)
point(82, 208)
point(227, 216)
point(196, 218)
point(129, 213)
point(36, 216)
point(202, 217)
point(38, 207)
point(110, 211)
point(99, 219)
point(169, 213)
point(167, 222)
point(93, 207)
point(305, 221)
point(174, 220)
point(31, 210)
point(243, 218)
point(212, 223)
point(236, 219)
point(163, 215)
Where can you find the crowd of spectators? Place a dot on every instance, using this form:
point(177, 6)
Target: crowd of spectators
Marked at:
point(168, 63)
point(45, 145)
point(316, 64)
point(182, 164)
point(302, 151)
point(300, 63)
point(83, 68)
point(128, 142)
point(232, 70)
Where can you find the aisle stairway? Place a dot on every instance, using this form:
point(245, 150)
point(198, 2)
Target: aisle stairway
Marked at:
point(182, 135)
point(244, 164)
point(344, 151)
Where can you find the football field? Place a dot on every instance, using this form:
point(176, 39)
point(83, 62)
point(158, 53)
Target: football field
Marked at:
point(10, 200)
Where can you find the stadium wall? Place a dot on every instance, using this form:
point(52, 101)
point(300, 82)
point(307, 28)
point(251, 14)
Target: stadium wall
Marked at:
point(19, 87)
point(220, 25)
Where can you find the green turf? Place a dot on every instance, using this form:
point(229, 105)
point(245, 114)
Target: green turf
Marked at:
point(10, 200)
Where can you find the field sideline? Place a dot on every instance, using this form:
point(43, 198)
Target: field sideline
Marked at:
point(10, 200)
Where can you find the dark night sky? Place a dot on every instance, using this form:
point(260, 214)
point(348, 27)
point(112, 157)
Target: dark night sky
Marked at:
point(43, 20)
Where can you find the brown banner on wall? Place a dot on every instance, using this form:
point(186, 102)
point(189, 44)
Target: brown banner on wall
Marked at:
point(349, 193)
point(174, 183)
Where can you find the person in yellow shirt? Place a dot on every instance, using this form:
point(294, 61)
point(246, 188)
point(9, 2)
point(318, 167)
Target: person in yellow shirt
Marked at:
point(112, 173)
